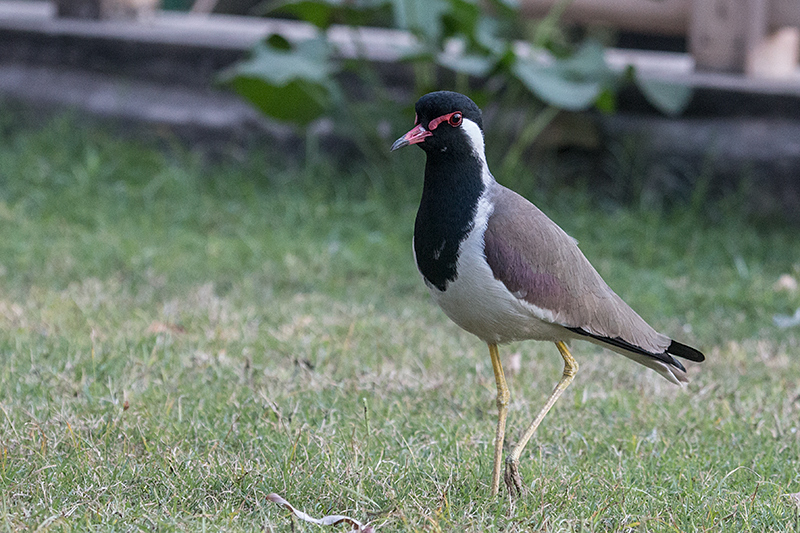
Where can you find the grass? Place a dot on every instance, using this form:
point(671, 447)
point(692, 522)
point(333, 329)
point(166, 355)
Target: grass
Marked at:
point(180, 338)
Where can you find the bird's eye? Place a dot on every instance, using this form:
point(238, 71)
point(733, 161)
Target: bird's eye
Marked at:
point(455, 119)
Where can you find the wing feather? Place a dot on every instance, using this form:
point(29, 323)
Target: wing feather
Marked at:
point(537, 261)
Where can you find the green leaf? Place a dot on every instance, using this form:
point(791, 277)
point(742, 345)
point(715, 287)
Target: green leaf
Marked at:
point(279, 42)
point(298, 101)
point(323, 13)
point(606, 101)
point(307, 60)
point(506, 61)
point(589, 63)
point(669, 98)
point(486, 34)
point(461, 18)
point(294, 85)
point(317, 12)
point(552, 86)
point(473, 65)
point(421, 17)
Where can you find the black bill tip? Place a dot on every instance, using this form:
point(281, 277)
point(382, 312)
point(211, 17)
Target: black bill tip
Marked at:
point(399, 143)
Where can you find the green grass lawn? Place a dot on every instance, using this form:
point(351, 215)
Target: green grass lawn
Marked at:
point(180, 338)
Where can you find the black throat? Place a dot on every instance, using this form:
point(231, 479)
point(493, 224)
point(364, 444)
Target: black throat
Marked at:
point(453, 186)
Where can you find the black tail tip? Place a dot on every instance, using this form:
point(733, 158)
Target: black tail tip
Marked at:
point(686, 352)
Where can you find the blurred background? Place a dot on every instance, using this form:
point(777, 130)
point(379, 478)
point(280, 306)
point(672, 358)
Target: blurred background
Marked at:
point(586, 89)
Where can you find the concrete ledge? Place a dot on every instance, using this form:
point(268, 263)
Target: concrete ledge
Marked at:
point(225, 38)
point(136, 100)
point(187, 48)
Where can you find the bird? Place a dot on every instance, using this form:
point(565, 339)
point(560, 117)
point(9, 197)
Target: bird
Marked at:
point(502, 270)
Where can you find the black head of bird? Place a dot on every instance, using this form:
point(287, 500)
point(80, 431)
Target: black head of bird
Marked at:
point(502, 270)
point(440, 123)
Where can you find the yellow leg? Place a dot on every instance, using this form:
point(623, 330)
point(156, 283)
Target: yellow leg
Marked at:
point(512, 477)
point(502, 411)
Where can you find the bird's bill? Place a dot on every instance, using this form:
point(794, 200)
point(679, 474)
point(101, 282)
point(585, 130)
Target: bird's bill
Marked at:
point(416, 135)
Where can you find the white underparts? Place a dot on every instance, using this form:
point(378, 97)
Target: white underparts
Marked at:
point(483, 305)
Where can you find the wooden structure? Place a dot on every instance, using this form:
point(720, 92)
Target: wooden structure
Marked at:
point(106, 9)
point(760, 37)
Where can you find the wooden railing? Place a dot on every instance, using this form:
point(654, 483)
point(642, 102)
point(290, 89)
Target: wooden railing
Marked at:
point(757, 37)
point(760, 37)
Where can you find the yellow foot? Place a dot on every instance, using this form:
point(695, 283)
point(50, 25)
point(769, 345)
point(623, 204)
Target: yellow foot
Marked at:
point(513, 479)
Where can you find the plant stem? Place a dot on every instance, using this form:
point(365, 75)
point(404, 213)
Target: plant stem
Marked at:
point(529, 134)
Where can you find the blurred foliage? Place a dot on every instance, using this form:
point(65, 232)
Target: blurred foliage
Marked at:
point(286, 82)
point(487, 50)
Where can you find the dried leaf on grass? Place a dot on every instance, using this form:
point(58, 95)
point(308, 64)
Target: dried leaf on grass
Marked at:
point(330, 520)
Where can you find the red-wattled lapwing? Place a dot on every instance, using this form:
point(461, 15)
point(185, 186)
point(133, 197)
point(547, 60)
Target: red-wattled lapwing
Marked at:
point(502, 270)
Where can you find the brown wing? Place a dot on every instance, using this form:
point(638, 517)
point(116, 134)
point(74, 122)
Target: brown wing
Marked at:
point(538, 262)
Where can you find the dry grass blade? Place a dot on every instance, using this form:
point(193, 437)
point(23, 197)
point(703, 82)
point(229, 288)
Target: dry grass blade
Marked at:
point(163, 327)
point(330, 520)
point(795, 497)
